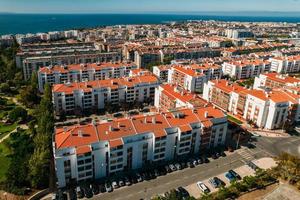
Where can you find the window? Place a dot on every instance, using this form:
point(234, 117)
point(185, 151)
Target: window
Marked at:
point(80, 169)
point(80, 162)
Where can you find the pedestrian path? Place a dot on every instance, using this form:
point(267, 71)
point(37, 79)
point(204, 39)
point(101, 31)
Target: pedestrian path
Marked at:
point(245, 154)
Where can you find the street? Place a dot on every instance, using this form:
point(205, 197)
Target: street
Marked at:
point(265, 147)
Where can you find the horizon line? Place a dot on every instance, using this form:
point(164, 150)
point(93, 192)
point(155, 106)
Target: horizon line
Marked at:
point(156, 12)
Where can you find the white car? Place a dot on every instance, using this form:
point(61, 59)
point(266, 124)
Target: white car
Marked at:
point(115, 184)
point(202, 187)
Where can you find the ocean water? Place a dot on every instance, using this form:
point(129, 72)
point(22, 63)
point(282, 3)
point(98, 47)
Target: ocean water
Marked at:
point(33, 23)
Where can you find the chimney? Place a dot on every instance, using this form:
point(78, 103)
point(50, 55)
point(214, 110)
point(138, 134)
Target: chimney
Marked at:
point(110, 128)
point(153, 120)
point(65, 129)
point(80, 133)
point(145, 120)
point(118, 124)
point(205, 114)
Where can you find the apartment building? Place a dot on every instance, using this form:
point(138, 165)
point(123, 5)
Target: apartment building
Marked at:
point(266, 109)
point(193, 53)
point(93, 95)
point(32, 64)
point(212, 71)
point(239, 33)
point(288, 64)
point(82, 72)
point(275, 80)
point(97, 150)
point(162, 72)
point(143, 57)
point(187, 78)
point(169, 97)
point(243, 69)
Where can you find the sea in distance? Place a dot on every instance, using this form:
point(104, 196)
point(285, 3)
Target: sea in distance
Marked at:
point(11, 23)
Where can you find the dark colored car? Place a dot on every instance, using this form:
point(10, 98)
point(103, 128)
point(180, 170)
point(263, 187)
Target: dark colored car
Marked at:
point(205, 159)
point(88, 192)
point(214, 156)
point(230, 176)
point(95, 189)
point(183, 193)
point(162, 171)
point(168, 169)
point(102, 188)
point(216, 182)
point(236, 175)
point(252, 165)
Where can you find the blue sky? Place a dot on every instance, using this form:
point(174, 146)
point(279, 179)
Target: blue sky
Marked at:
point(133, 6)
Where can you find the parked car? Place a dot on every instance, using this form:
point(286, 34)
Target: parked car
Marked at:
point(79, 192)
point(172, 167)
point(213, 156)
point(183, 193)
point(88, 192)
point(252, 165)
point(200, 161)
point(190, 164)
point(236, 175)
point(216, 182)
point(162, 171)
point(95, 189)
point(194, 161)
point(156, 172)
point(151, 174)
point(127, 181)
point(183, 165)
point(229, 176)
point(222, 154)
point(202, 187)
point(115, 184)
point(168, 169)
point(121, 183)
point(205, 159)
point(108, 187)
point(102, 188)
point(139, 177)
point(178, 166)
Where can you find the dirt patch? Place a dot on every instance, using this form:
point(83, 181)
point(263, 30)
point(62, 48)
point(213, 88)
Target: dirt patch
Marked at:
point(259, 194)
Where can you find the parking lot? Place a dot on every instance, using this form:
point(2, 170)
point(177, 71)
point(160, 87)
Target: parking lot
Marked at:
point(243, 171)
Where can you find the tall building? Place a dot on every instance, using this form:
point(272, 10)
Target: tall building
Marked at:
point(169, 97)
point(243, 69)
point(98, 150)
point(290, 64)
point(82, 72)
point(187, 78)
point(266, 109)
point(96, 95)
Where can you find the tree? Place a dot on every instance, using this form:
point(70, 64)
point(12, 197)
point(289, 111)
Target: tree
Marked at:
point(39, 163)
point(4, 88)
point(21, 146)
point(29, 96)
point(17, 113)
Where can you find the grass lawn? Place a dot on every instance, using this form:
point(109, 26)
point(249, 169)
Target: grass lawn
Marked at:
point(235, 120)
point(5, 129)
point(4, 161)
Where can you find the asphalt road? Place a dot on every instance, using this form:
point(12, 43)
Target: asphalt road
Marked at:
point(264, 147)
point(160, 185)
point(274, 146)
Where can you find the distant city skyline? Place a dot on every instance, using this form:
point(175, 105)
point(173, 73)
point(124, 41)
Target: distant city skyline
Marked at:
point(139, 6)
